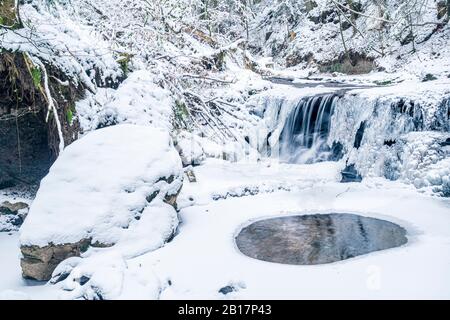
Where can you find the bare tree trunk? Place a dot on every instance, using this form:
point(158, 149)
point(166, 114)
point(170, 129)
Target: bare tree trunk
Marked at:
point(9, 14)
point(205, 15)
point(342, 35)
point(353, 16)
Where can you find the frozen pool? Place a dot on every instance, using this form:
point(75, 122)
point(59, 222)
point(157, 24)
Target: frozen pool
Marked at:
point(318, 238)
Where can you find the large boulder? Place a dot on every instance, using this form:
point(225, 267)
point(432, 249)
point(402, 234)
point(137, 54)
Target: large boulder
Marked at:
point(102, 187)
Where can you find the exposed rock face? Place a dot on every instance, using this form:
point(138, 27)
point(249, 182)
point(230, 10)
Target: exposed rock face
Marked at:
point(351, 63)
point(30, 143)
point(172, 199)
point(6, 181)
point(38, 263)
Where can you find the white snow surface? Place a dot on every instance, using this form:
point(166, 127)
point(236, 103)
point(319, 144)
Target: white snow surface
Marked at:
point(98, 186)
point(138, 100)
point(203, 257)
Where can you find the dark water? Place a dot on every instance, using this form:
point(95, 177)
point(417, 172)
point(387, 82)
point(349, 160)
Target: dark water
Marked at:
point(318, 239)
point(313, 83)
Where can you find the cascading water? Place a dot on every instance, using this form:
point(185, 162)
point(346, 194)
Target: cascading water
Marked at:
point(377, 134)
point(305, 133)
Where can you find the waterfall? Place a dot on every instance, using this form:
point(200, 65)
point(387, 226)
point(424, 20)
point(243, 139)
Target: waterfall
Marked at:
point(305, 133)
point(403, 138)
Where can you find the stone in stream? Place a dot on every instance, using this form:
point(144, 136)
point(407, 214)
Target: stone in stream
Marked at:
point(445, 143)
point(350, 174)
point(232, 287)
point(12, 215)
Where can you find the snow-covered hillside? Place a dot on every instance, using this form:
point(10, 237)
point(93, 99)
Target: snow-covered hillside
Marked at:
point(365, 35)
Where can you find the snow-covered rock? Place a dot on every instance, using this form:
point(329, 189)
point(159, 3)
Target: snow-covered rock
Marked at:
point(115, 186)
point(104, 276)
point(138, 100)
point(190, 149)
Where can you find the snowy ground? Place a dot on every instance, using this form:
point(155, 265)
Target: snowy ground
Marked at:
point(203, 258)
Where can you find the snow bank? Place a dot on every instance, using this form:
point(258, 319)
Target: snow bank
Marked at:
point(190, 148)
point(100, 186)
point(105, 276)
point(13, 295)
point(138, 100)
point(203, 273)
point(219, 179)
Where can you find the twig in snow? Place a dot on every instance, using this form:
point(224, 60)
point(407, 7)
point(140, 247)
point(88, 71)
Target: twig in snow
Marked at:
point(340, 194)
